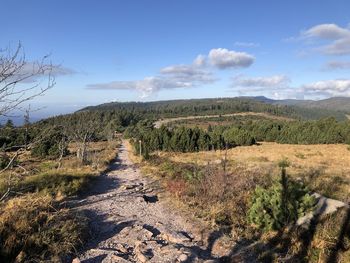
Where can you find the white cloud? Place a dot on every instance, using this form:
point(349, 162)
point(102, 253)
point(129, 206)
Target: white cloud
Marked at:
point(276, 87)
point(183, 75)
point(246, 44)
point(187, 73)
point(43, 69)
point(31, 72)
point(337, 87)
point(327, 31)
point(223, 58)
point(200, 61)
point(275, 81)
point(146, 86)
point(173, 77)
point(338, 47)
point(338, 38)
point(184, 70)
point(334, 65)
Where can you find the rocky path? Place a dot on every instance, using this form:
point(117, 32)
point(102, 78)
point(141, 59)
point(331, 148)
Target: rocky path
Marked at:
point(130, 222)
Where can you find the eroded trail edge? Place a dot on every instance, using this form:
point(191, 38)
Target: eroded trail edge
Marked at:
point(130, 223)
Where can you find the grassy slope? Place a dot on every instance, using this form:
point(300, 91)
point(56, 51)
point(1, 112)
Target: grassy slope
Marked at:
point(197, 180)
point(33, 225)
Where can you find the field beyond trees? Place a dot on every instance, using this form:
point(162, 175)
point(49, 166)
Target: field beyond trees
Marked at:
point(327, 164)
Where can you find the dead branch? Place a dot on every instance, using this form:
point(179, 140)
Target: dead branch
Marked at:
point(22, 80)
point(11, 161)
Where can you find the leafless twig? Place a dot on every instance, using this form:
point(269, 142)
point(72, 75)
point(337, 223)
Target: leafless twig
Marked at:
point(22, 80)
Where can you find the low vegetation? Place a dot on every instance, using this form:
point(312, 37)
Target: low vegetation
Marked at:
point(223, 169)
point(239, 191)
point(34, 224)
point(33, 228)
point(208, 190)
point(277, 206)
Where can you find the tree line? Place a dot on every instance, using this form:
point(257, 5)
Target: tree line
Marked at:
point(323, 131)
point(185, 139)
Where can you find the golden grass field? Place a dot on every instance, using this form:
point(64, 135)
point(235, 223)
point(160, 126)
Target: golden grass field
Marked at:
point(324, 168)
point(327, 163)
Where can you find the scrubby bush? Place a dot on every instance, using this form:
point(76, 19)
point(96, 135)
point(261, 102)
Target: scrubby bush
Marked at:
point(4, 160)
point(50, 147)
point(278, 206)
point(236, 137)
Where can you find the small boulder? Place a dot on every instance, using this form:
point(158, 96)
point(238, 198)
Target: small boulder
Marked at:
point(182, 258)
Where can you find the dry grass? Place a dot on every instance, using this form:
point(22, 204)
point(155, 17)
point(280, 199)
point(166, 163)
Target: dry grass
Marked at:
point(325, 166)
point(323, 242)
point(43, 175)
point(33, 227)
point(222, 198)
point(133, 157)
point(217, 197)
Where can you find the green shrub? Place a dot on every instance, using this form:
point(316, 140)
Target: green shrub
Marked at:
point(49, 147)
point(267, 210)
point(4, 160)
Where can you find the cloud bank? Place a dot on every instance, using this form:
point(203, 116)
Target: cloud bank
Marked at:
point(335, 65)
point(337, 87)
point(338, 38)
point(275, 81)
point(199, 72)
point(279, 86)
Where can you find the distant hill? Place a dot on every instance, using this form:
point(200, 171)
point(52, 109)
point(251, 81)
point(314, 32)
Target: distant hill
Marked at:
point(334, 104)
point(297, 109)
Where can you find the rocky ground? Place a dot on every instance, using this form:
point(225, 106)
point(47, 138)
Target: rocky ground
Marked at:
point(130, 222)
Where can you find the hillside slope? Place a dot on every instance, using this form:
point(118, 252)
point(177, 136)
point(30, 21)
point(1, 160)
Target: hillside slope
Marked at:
point(334, 104)
point(176, 108)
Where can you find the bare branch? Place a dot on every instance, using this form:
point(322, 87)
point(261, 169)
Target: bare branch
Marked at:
point(21, 80)
point(11, 161)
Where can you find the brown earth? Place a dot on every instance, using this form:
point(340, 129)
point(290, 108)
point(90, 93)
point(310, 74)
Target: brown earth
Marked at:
point(131, 222)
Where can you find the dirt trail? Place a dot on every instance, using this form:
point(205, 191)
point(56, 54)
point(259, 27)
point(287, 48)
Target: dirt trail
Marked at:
point(130, 222)
point(159, 123)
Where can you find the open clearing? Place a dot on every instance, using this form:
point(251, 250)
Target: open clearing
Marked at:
point(327, 163)
point(161, 122)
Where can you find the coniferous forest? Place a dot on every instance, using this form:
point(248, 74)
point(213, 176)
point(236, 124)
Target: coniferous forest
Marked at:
point(137, 121)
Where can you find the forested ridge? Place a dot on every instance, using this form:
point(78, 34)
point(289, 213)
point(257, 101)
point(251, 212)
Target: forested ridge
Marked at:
point(101, 122)
point(214, 106)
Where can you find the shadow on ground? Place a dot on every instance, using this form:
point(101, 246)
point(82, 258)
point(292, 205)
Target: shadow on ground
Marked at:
point(101, 230)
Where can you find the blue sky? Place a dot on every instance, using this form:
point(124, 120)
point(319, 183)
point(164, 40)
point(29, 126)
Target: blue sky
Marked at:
point(156, 50)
